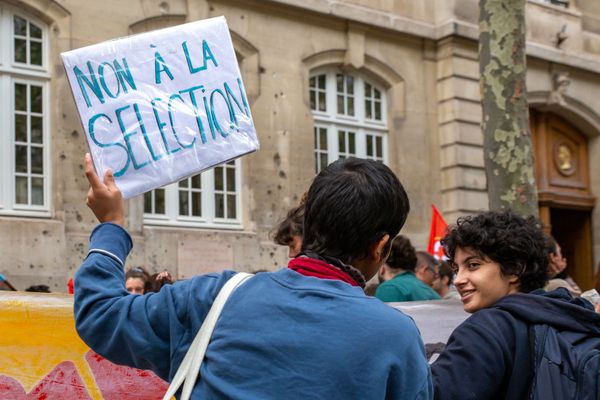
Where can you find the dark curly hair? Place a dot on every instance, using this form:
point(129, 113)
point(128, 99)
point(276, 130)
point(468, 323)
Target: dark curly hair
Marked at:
point(518, 244)
point(402, 255)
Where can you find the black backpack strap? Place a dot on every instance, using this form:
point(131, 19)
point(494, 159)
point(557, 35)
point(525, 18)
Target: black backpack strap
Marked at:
point(537, 337)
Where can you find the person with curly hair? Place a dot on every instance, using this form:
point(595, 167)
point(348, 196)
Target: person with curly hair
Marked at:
point(398, 273)
point(501, 264)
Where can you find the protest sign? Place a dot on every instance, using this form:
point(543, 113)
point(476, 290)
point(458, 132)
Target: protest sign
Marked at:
point(160, 106)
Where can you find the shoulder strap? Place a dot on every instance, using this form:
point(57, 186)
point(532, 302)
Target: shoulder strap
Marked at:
point(537, 342)
point(190, 366)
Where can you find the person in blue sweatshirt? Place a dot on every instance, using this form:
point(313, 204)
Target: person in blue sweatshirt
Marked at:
point(501, 263)
point(304, 332)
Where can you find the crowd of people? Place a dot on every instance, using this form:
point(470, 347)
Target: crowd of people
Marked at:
point(411, 275)
point(317, 329)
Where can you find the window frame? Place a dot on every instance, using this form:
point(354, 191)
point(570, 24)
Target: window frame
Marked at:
point(44, 28)
point(12, 73)
point(333, 122)
point(208, 219)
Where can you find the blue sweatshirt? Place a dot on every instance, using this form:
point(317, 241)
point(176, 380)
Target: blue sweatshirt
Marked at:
point(281, 334)
point(488, 356)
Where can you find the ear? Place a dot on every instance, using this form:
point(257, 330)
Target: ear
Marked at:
point(377, 249)
point(514, 280)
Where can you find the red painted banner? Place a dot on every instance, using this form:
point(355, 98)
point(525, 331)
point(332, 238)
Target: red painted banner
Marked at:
point(43, 358)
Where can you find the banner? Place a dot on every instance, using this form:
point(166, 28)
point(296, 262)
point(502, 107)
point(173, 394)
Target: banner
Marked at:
point(436, 233)
point(436, 320)
point(161, 106)
point(42, 357)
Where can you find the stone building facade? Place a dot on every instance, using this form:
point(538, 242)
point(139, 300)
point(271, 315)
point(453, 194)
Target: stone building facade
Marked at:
point(393, 80)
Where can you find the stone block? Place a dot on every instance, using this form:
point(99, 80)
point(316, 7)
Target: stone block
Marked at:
point(464, 201)
point(458, 66)
point(462, 155)
point(462, 110)
point(458, 87)
point(461, 132)
point(463, 178)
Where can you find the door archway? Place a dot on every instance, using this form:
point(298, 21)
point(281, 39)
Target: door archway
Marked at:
point(565, 198)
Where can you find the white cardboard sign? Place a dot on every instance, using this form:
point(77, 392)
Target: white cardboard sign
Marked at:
point(160, 106)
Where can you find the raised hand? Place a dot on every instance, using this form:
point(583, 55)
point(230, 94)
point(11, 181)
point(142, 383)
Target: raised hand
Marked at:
point(104, 198)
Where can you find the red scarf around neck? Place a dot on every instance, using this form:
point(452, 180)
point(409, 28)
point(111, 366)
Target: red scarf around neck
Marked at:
point(319, 269)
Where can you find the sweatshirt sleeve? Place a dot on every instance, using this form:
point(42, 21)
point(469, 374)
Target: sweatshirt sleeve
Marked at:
point(142, 331)
point(477, 359)
point(409, 375)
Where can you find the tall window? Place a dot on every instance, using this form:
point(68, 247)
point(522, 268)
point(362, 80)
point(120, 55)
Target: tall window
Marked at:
point(210, 199)
point(350, 117)
point(24, 111)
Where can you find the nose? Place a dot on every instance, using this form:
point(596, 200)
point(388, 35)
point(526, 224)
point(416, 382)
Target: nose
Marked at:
point(461, 277)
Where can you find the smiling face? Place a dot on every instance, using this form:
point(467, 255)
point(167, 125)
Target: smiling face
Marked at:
point(479, 280)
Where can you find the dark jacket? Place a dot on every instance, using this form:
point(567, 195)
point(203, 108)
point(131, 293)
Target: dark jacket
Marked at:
point(488, 356)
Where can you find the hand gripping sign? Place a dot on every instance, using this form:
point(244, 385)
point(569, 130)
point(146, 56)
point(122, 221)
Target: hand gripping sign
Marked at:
point(161, 106)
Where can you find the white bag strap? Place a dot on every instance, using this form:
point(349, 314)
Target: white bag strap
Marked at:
point(190, 366)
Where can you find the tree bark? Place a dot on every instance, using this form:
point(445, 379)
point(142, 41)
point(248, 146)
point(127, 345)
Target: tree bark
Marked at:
point(508, 151)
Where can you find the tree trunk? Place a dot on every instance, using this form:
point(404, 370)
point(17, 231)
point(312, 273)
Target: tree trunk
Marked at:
point(508, 151)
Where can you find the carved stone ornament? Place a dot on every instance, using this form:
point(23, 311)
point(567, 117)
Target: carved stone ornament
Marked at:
point(560, 84)
point(565, 159)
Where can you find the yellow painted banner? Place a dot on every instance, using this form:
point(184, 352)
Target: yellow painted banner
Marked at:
point(42, 357)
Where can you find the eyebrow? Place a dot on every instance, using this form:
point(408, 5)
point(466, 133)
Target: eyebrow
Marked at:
point(472, 257)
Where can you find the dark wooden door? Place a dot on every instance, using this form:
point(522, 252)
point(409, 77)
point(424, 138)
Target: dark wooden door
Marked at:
point(566, 203)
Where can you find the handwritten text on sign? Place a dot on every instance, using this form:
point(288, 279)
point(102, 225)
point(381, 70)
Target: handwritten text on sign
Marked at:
point(163, 105)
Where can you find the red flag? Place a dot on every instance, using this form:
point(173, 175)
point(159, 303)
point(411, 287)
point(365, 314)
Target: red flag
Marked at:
point(437, 231)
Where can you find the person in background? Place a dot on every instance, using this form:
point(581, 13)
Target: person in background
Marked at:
point(426, 267)
point(289, 231)
point(501, 264)
point(136, 280)
point(443, 283)
point(556, 269)
point(306, 331)
point(398, 275)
